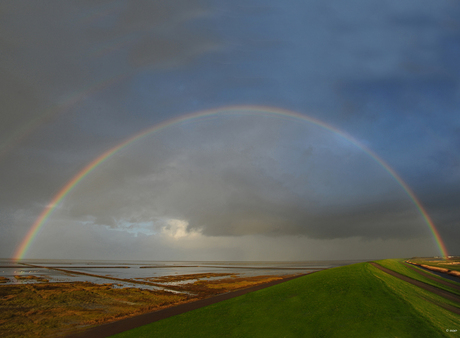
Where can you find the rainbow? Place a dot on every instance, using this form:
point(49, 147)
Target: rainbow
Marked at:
point(253, 110)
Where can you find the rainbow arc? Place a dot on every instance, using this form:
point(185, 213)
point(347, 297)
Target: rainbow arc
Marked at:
point(254, 110)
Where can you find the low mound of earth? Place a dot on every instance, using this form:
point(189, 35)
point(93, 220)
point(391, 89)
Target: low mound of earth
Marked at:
point(180, 278)
point(57, 309)
point(31, 277)
point(203, 287)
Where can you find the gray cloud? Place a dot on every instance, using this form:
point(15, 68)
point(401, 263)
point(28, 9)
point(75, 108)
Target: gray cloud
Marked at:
point(158, 33)
point(54, 55)
point(168, 52)
point(20, 101)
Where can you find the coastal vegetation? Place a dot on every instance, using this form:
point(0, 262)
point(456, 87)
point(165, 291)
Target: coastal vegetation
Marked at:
point(31, 277)
point(43, 309)
point(54, 309)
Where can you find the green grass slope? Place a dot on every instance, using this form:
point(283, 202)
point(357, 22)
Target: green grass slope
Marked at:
point(357, 300)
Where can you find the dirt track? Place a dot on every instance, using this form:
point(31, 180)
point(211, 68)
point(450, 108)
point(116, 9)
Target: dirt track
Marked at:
point(109, 329)
point(427, 287)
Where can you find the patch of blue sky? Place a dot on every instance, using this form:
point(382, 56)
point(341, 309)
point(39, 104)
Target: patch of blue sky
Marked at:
point(135, 228)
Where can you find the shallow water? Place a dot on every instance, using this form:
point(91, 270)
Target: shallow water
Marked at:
point(442, 274)
point(132, 270)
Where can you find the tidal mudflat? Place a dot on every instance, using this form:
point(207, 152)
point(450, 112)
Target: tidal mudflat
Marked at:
point(41, 298)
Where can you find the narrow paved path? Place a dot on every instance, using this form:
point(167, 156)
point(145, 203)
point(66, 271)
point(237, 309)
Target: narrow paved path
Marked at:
point(433, 289)
point(109, 329)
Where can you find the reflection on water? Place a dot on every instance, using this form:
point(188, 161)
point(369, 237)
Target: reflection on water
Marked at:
point(103, 271)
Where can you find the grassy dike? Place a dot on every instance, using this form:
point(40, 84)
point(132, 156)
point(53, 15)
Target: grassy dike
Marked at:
point(357, 300)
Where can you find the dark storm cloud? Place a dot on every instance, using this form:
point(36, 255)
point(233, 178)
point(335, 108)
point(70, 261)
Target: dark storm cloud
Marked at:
point(47, 56)
point(163, 37)
point(53, 50)
point(250, 211)
point(442, 203)
point(166, 51)
point(420, 112)
point(19, 102)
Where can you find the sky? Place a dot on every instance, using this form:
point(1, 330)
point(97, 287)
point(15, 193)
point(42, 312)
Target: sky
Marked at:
point(362, 84)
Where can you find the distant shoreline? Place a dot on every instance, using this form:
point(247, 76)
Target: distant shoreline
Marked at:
point(227, 267)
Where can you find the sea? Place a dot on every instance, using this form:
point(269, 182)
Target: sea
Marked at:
point(130, 273)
